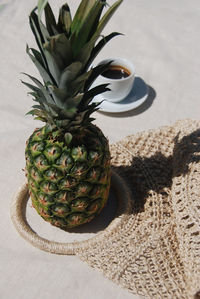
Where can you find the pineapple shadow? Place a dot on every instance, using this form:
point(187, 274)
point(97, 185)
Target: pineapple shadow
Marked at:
point(185, 151)
point(136, 178)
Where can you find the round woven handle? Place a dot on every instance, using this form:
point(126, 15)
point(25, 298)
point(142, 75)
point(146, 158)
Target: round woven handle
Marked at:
point(19, 220)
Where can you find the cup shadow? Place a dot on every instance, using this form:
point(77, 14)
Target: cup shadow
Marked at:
point(135, 111)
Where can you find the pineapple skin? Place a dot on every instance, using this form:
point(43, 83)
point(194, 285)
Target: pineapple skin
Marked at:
point(68, 184)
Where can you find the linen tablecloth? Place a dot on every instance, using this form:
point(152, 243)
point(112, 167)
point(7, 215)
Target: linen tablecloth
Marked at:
point(162, 39)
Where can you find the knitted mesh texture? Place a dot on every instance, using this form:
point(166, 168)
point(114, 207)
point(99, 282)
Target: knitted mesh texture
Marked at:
point(156, 252)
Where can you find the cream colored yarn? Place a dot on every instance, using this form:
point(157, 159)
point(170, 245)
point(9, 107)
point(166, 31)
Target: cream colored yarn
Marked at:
point(21, 224)
point(154, 248)
point(156, 252)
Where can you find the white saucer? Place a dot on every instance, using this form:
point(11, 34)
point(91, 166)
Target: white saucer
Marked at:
point(136, 97)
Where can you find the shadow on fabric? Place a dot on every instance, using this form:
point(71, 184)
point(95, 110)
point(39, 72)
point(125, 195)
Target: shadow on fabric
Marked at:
point(137, 174)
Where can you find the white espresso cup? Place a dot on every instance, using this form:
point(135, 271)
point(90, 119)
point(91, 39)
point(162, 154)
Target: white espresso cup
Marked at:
point(120, 75)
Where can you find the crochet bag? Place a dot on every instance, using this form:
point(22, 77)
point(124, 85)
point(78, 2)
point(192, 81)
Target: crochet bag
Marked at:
point(152, 247)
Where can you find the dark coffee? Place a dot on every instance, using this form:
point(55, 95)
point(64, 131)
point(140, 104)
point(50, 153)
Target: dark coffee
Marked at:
point(116, 72)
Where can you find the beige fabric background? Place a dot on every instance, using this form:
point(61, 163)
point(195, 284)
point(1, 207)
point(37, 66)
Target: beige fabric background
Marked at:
point(162, 40)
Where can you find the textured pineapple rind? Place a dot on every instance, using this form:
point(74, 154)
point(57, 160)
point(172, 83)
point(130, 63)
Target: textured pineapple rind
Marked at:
point(68, 184)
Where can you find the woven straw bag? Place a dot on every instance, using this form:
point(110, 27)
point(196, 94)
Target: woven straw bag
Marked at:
point(153, 249)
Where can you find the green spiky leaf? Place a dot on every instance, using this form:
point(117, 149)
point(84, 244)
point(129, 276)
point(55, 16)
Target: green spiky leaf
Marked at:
point(50, 20)
point(34, 24)
point(82, 36)
point(89, 95)
point(60, 48)
point(43, 72)
point(65, 19)
point(81, 14)
point(95, 50)
point(94, 73)
point(105, 19)
point(69, 74)
point(67, 49)
point(41, 6)
point(38, 56)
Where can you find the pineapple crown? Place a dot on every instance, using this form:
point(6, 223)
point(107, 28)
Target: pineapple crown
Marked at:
point(67, 48)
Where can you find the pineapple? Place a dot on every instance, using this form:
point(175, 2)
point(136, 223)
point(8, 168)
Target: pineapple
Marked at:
point(68, 159)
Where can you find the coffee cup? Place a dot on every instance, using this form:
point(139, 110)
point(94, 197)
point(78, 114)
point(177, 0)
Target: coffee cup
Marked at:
point(120, 75)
